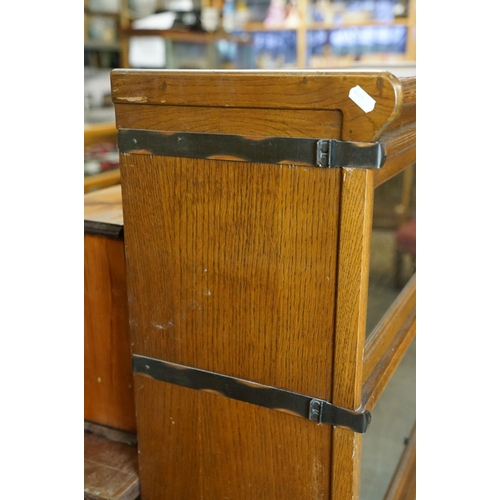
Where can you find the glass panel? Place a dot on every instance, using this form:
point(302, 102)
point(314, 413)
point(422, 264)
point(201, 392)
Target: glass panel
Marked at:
point(393, 247)
point(392, 422)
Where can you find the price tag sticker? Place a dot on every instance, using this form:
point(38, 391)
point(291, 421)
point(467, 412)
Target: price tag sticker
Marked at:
point(362, 99)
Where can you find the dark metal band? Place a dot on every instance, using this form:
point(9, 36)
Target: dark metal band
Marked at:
point(273, 398)
point(325, 153)
point(114, 231)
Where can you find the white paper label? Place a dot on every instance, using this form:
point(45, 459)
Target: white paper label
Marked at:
point(362, 99)
point(147, 52)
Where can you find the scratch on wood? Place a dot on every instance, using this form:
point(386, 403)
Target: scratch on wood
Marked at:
point(135, 99)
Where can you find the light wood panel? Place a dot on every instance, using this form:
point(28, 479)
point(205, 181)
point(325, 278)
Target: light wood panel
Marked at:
point(236, 269)
point(356, 208)
point(200, 445)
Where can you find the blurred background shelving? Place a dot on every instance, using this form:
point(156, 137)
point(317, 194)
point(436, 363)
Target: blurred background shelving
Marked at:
point(248, 34)
point(239, 34)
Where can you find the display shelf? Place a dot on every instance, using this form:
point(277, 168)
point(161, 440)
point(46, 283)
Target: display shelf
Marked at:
point(98, 45)
point(223, 286)
point(363, 22)
point(185, 35)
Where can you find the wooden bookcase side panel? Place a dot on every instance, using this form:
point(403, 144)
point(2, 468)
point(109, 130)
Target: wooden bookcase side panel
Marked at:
point(201, 445)
point(233, 272)
point(298, 91)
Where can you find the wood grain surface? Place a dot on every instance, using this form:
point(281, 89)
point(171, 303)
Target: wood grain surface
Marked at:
point(198, 445)
point(255, 271)
point(356, 207)
point(243, 121)
point(232, 270)
point(277, 90)
point(108, 380)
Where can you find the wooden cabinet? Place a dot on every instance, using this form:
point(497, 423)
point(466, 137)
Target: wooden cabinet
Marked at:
point(109, 395)
point(248, 208)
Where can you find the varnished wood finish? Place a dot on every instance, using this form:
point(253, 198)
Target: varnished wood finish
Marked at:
point(400, 136)
point(388, 327)
point(108, 394)
point(235, 292)
point(231, 273)
point(401, 150)
point(200, 445)
point(110, 469)
point(404, 482)
point(255, 122)
point(277, 90)
point(353, 271)
point(254, 271)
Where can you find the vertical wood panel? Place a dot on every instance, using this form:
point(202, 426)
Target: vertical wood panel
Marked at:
point(196, 445)
point(108, 380)
point(232, 267)
point(354, 256)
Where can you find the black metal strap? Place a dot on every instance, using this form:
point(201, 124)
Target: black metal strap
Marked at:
point(114, 231)
point(325, 153)
point(274, 398)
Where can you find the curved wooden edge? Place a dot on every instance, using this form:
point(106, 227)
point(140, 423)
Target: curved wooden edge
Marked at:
point(401, 151)
point(388, 326)
point(297, 90)
point(102, 180)
point(356, 215)
point(403, 485)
